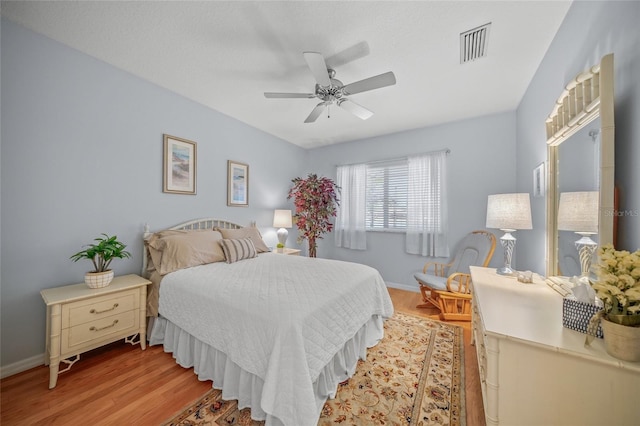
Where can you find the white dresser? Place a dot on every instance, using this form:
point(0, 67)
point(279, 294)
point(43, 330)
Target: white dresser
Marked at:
point(533, 371)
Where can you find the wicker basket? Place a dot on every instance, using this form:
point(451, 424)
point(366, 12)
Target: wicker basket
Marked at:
point(576, 315)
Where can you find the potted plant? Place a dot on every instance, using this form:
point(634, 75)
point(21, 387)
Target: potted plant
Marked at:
point(618, 286)
point(280, 247)
point(101, 254)
point(316, 201)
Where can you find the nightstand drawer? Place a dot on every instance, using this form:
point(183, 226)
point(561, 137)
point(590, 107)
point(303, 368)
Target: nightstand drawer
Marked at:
point(85, 311)
point(100, 330)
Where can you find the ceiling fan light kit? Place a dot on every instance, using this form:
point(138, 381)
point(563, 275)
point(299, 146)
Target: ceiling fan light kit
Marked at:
point(331, 91)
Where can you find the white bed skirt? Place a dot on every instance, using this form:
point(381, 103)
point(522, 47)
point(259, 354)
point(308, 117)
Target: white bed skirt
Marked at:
point(211, 364)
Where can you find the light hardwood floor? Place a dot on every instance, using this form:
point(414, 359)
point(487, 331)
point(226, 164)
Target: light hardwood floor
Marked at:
point(123, 385)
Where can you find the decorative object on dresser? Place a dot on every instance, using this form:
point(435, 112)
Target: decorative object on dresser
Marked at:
point(237, 184)
point(101, 255)
point(316, 200)
point(282, 220)
point(618, 286)
point(533, 370)
point(81, 319)
point(508, 212)
point(578, 212)
point(448, 286)
point(179, 167)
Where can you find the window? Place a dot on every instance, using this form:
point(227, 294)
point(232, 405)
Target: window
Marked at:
point(407, 195)
point(386, 203)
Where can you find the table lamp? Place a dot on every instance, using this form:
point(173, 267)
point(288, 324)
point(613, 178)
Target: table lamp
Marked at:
point(508, 212)
point(578, 212)
point(282, 220)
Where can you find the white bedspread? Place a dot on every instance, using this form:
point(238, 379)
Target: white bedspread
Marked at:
point(282, 318)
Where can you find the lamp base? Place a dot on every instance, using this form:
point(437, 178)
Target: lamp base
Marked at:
point(585, 246)
point(508, 242)
point(282, 236)
point(505, 270)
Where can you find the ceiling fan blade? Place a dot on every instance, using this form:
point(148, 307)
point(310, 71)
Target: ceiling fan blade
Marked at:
point(276, 95)
point(316, 112)
point(376, 82)
point(354, 108)
point(318, 67)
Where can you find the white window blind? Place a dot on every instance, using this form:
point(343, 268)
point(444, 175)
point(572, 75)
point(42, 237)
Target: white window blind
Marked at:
point(387, 186)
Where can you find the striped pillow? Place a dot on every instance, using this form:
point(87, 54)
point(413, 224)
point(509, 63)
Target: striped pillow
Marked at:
point(238, 249)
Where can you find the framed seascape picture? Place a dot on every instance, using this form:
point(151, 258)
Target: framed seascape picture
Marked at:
point(538, 181)
point(179, 166)
point(237, 184)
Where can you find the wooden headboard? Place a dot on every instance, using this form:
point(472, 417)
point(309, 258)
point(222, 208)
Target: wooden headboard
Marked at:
point(205, 223)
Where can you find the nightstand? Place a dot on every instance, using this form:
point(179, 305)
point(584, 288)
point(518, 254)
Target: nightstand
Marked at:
point(289, 251)
point(80, 319)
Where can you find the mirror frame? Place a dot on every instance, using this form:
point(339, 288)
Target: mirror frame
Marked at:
point(585, 98)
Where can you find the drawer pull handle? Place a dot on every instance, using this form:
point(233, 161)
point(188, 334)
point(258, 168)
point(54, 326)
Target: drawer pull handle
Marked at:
point(93, 311)
point(93, 328)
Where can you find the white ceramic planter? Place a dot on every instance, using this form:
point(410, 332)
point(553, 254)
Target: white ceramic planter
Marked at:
point(98, 279)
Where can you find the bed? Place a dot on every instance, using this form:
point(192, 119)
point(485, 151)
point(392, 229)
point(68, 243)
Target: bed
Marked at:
point(276, 332)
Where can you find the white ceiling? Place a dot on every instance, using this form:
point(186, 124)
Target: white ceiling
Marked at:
point(226, 54)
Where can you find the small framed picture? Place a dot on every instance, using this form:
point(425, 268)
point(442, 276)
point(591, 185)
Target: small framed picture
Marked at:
point(538, 181)
point(237, 184)
point(179, 166)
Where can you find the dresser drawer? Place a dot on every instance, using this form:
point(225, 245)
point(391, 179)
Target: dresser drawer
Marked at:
point(84, 311)
point(113, 327)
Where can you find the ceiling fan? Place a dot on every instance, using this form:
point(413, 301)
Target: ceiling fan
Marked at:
point(331, 91)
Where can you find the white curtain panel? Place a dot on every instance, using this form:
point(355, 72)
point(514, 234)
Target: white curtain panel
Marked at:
point(427, 219)
point(350, 226)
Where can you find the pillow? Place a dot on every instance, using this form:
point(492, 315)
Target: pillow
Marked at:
point(179, 249)
point(249, 232)
point(238, 249)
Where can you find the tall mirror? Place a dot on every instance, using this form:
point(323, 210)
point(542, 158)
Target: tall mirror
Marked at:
point(580, 154)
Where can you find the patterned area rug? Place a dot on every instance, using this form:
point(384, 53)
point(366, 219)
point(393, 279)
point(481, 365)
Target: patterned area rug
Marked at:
point(414, 376)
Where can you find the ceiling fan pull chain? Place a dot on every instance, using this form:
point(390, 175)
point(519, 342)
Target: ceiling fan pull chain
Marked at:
point(329, 111)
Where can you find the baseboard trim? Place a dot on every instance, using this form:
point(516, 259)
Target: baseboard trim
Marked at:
point(20, 366)
point(400, 286)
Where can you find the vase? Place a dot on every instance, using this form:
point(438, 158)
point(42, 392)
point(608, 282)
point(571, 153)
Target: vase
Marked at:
point(312, 247)
point(98, 279)
point(621, 341)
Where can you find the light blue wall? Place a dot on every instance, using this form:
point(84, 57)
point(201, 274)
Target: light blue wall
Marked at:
point(82, 154)
point(590, 31)
point(481, 162)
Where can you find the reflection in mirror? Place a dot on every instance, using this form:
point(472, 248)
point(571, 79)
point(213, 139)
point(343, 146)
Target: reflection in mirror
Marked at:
point(578, 170)
point(578, 212)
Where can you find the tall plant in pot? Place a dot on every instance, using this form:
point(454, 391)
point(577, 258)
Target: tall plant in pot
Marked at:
point(618, 286)
point(101, 254)
point(316, 201)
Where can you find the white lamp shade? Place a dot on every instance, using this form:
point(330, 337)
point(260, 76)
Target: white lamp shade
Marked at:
point(509, 211)
point(578, 212)
point(282, 219)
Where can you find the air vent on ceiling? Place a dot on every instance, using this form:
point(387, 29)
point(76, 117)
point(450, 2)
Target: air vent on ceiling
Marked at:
point(473, 43)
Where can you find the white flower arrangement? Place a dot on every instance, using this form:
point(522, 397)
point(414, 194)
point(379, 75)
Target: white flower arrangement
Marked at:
point(618, 284)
